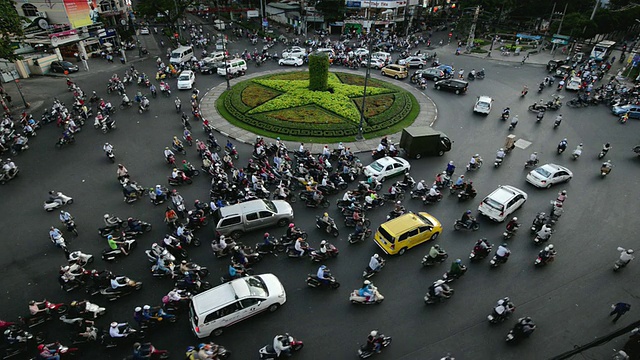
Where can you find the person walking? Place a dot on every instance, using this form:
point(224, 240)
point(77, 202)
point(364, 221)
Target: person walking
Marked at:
point(619, 309)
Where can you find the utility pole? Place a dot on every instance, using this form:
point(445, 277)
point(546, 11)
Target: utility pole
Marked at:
point(559, 27)
point(593, 13)
point(472, 31)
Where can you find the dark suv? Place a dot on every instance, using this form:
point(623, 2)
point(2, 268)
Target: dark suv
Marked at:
point(453, 85)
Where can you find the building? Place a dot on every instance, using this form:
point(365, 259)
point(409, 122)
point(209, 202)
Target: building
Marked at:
point(289, 13)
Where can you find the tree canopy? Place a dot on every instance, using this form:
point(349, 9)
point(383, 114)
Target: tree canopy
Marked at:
point(171, 9)
point(10, 28)
point(332, 10)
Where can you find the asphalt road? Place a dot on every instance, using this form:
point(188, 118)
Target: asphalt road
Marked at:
point(569, 299)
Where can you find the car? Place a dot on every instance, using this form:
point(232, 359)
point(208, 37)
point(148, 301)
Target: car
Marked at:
point(186, 79)
point(483, 105)
point(215, 56)
point(502, 202)
point(553, 64)
point(376, 63)
point(330, 53)
point(359, 52)
point(211, 311)
point(632, 110)
point(387, 167)
point(549, 174)
point(144, 31)
point(295, 51)
point(382, 55)
point(295, 61)
point(434, 74)
point(453, 85)
point(62, 66)
point(406, 231)
point(210, 67)
point(395, 71)
point(575, 84)
point(448, 69)
point(413, 61)
point(578, 57)
point(562, 71)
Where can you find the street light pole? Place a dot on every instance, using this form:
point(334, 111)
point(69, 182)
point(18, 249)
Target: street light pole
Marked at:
point(226, 68)
point(360, 135)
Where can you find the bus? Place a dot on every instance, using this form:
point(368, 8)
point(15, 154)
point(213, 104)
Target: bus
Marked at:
point(602, 50)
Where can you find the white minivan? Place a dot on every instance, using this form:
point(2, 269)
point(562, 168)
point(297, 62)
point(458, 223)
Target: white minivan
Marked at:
point(181, 55)
point(224, 305)
point(235, 66)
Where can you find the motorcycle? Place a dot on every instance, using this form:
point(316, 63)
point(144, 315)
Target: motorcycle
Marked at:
point(497, 260)
point(272, 247)
point(459, 225)
point(60, 200)
point(604, 171)
point(542, 260)
point(477, 165)
point(112, 254)
point(355, 297)
point(366, 351)
point(111, 156)
point(508, 234)
point(148, 351)
point(539, 239)
point(530, 164)
point(430, 298)
point(267, 352)
point(314, 281)
point(498, 162)
point(231, 151)
point(114, 294)
point(502, 311)
point(576, 153)
point(80, 258)
point(353, 238)
point(519, 332)
point(350, 222)
point(369, 272)
point(329, 228)
point(430, 261)
point(464, 195)
point(310, 203)
point(478, 253)
point(180, 180)
point(428, 199)
point(538, 221)
point(71, 227)
point(317, 256)
point(448, 277)
point(52, 308)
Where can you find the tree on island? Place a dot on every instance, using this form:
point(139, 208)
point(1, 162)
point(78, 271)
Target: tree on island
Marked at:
point(318, 71)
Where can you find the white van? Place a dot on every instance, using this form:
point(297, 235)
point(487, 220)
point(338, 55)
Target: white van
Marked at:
point(215, 56)
point(235, 66)
point(181, 54)
point(224, 305)
point(235, 220)
point(382, 55)
point(219, 25)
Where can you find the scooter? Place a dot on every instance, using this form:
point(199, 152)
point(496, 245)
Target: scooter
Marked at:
point(60, 199)
point(530, 164)
point(317, 256)
point(366, 351)
point(52, 308)
point(430, 299)
point(429, 261)
point(498, 162)
point(114, 294)
point(267, 352)
point(542, 261)
point(459, 225)
point(80, 258)
point(314, 281)
point(353, 238)
point(355, 297)
point(369, 272)
point(329, 228)
point(111, 156)
point(497, 260)
point(508, 234)
point(501, 312)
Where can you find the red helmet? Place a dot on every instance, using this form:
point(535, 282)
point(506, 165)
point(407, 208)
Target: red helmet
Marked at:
point(40, 347)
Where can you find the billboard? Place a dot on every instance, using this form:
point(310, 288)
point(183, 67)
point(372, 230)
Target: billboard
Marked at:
point(78, 13)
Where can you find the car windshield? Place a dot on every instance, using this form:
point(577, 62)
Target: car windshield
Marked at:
point(482, 105)
point(66, 63)
point(184, 77)
point(377, 166)
point(493, 204)
point(270, 205)
point(257, 287)
point(543, 172)
point(424, 219)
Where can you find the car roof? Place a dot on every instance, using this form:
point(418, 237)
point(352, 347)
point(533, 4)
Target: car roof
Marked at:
point(386, 160)
point(554, 167)
point(243, 207)
point(484, 98)
point(187, 72)
point(575, 78)
point(504, 193)
point(405, 222)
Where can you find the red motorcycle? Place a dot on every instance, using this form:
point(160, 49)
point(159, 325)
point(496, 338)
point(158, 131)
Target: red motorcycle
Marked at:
point(56, 348)
point(51, 308)
point(147, 350)
point(180, 180)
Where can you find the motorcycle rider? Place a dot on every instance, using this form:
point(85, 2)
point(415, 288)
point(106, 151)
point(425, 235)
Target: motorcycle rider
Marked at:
point(107, 148)
point(111, 221)
point(540, 115)
point(504, 307)
point(533, 159)
point(122, 172)
point(65, 217)
point(558, 119)
point(625, 255)
point(605, 148)
point(45, 353)
point(55, 235)
point(460, 182)
point(324, 274)
point(547, 253)
point(474, 163)
point(578, 151)
point(482, 246)
point(468, 189)
point(467, 219)
point(513, 224)
point(450, 168)
point(503, 252)
point(300, 246)
point(125, 100)
point(281, 345)
point(375, 263)
point(116, 328)
point(374, 341)
point(505, 113)
point(366, 290)
point(114, 244)
point(436, 252)
point(524, 327)
point(438, 291)
point(168, 154)
point(457, 269)
point(434, 194)
point(293, 232)
point(606, 167)
point(562, 146)
point(144, 102)
point(514, 122)
point(38, 308)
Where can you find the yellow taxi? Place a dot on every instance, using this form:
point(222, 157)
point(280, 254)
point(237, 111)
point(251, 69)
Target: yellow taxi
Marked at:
point(404, 232)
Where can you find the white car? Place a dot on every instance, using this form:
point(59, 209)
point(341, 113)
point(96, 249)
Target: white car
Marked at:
point(186, 80)
point(387, 167)
point(549, 174)
point(359, 52)
point(295, 61)
point(376, 63)
point(502, 202)
point(574, 84)
point(413, 61)
point(295, 51)
point(483, 105)
point(144, 31)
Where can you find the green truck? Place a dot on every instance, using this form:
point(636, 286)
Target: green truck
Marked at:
point(418, 141)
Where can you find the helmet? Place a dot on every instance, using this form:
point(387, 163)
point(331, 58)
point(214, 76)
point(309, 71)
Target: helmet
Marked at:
point(222, 237)
point(183, 262)
point(174, 191)
point(109, 237)
point(501, 149)
point(190, 348)
point(106, 216)
point(73, 303)
point(535, 153)
point(40, 347)
point(236, 248)
point(476, 155)
point(462, 176)
point(137, 309)
point(146, 307)
point(470, 182)
point(367, 282)
point(504, 245)
point(468, 211)
point(546, 248)
point(580, 144)
point(166, 148)
point(376, 256)
point(186, 273)
point(550, 246)
point(291, 225)
point(323, 267)
point(373, 333)
point(506, 298)
point(514, 218)
point(32, 302)
point(565, 139)
point(323, 242)
point(458, 261)
point(325, 214)
point(564, 192)
point(629, 251)
point(266, 234)
point(439, 282)
point(436, 246)
point(450, 162)
point(114, 324)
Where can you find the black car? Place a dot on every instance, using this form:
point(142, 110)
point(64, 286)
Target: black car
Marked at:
point(210, 68)
point(433, 74)
point(552, 65)
point(62, 66)
point(453, 85)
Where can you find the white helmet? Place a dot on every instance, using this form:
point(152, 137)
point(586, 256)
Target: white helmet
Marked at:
point(629, 251)
point(323, 242)
point(547, 248)
point(515, 218)
point(550, 247)
point(137, 309)
point(367, 282)
point(376, 256)
point(146, 307)
point(374, 333)
point(114, 324)
point(439, 282)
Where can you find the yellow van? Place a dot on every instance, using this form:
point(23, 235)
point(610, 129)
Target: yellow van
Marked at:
point(406, 231)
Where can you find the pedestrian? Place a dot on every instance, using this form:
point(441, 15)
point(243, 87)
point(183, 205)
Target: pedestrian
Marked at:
point(85, 63)
point(619, 309)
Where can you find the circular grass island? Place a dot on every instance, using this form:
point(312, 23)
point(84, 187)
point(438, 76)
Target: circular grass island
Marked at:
point(281, 105)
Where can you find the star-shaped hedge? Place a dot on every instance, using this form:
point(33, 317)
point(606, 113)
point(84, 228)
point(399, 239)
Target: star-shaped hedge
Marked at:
point(295, 93)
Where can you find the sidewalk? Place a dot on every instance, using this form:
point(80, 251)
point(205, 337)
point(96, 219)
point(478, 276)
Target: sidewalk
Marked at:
point(427, 117)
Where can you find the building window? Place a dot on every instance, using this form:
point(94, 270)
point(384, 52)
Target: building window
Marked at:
point(107, 5)
point(29, 10)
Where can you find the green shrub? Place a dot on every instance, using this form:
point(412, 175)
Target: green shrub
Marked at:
point(318, 71)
